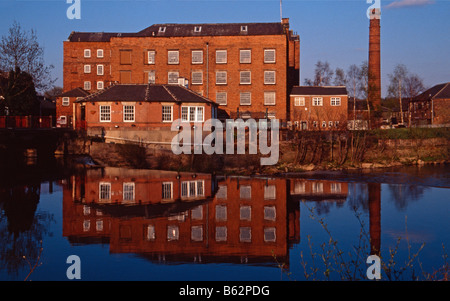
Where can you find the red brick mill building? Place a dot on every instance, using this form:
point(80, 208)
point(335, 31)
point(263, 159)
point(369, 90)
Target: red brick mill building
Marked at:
point(248, 69)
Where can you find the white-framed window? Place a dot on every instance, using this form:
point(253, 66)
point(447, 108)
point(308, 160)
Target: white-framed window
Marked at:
point(197, 233)
point(87, 68)
point(245, 192)
point(62, 119)
point(87, 85)
point(86, 225)
point(270, 213)
point(197, 213)
point(87, 53)
point(197, 29)
point(100, 53)
point(245, 77)
point(100, 70)
point(128, 113)
point(191, 189)
point(221, 194)
point(245, 213)
point(192, 113)
point(65, 101)
point(269, 78)
point(173, 57)
point(221, 212)
point(151, 56)
point(317, 187)
point(197, 77)
point(197, 56)
point(245, 56)
point(105, 113)
point(244, 28)
point(162, 29)
point(324, 124)
point(166, 113)
point(104, 191)
point(299, 101)
point(221, 56)
point(269, 56)
point(330, 124)
point(221, 77)
point(317, 101)
point(336, 123)
point(100, 85)
point(335, 187)
point(166, 191)
point(151, 76)
point(151, 233)
point(335, 101)
point(270, 192)
point(173, 232)
point(315, 123)
point(270, 234)
point(245, 98)
point(245, 234)
point(269, 98)
point(221, 233)
point(172, 77)
point(221, 98)
point(128, 191)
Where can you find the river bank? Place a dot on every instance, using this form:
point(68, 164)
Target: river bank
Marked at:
point(310, 153)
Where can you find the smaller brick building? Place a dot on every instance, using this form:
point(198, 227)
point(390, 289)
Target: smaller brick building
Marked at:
point(65, 106)
point(318, 108)
point(141, 112)
point(432, 107)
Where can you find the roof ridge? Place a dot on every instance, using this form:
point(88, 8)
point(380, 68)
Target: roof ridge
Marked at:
point(196, 94)
point(170, 93)
point(99, 92)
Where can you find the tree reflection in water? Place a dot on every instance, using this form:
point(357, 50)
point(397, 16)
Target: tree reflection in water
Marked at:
point(21, 227)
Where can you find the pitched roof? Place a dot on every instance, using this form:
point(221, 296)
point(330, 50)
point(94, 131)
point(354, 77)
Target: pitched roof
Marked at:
point(77, 92)
point(319, 90)
point(148, 93)
point(186, 30)
point(440, 91)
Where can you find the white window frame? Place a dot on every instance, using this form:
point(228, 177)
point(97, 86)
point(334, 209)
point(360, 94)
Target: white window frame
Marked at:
point(270, 98)
point(299, 101)
point(317, 101)
point(65, 101)
point(245, 77)
point(191, 113)
point(170, 76)
point(128, 192)
point(324, 124)
point(194, 77)
point(194, 58)
point(243, 59)
point(87, 68)
point(165, 186)
point(244, 94)
point(87, 53)
point(100, 85)
point(129, 111)
point(220, 75)
point(221, 59)
point(100, 70)
point(274, 56)
point(173, 57)
point(104, 116)
point(269, 74)
point(335, 101)
point(87, 85)
point(62, 119)
point(151, 57)
point(104, 195)
point(166, 113)
point(100, 53)
point(221, 95)
point(151, 76)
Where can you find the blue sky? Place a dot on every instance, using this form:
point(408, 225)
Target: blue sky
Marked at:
point(415, 33)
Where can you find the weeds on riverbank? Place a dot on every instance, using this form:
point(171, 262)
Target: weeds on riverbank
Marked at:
point(330, 262)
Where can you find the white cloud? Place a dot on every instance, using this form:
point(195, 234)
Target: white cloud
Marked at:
point(406, 3)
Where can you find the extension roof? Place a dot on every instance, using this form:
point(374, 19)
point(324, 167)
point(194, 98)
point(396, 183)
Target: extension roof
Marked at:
point(441, 91)
point(319, 90)
point(77, 92)
point(147, 93)
point(186, 30)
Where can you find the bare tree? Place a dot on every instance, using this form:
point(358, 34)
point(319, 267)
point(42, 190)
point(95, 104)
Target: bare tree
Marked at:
point(339, 77)
point(322, 75)
point(413, 85)
point(20, 49)
point(397, 85)
point(352, 79)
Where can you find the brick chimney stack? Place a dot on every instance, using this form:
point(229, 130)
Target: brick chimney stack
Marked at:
point(374, 59)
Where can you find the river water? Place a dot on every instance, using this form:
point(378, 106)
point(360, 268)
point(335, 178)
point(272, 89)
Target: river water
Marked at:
point(125, 224)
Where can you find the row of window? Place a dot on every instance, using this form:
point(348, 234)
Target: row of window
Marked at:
point(100, 69)
point(173, 56)
point(221, 233)
point(245, 192)
point(316, 101)
point(316, 124)
point(189, 189)
point(316, 187)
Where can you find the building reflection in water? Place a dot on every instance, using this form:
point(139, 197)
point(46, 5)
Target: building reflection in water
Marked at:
point(184, 217)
